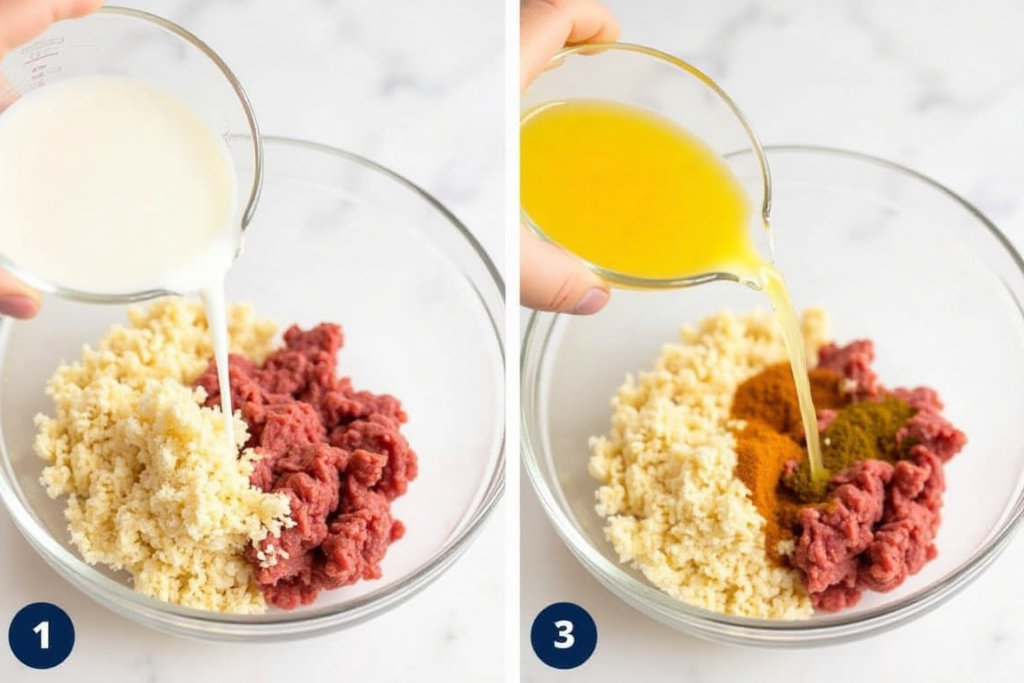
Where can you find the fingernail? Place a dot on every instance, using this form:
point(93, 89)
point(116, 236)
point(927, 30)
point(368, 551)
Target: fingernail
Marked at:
point(18, 306)
point(592, 302)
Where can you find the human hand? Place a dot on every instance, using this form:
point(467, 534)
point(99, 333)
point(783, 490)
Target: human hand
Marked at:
point(23, 20)
point(20, 22)
point(550, 278)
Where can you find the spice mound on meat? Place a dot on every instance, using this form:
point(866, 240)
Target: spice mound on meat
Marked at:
point(335, 452)
point(673, 507)
point(878, 522)
point(705, 482)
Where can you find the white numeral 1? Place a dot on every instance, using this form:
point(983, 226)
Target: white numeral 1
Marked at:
point(565, 637)
point(43, 629)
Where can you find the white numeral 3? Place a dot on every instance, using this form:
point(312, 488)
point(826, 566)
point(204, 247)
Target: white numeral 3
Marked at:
point(565, 637)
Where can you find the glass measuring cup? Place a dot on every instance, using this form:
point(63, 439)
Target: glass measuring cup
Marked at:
point(118, 41)
point(657, 82)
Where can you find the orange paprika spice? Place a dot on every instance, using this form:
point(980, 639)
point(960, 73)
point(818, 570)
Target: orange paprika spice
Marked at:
point(773, 436)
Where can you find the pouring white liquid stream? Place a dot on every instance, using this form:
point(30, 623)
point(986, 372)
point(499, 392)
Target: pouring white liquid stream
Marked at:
point(111, 186)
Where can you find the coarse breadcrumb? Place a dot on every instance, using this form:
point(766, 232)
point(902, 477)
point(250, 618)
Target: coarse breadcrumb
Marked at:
point(674, 508)
point(153, 485)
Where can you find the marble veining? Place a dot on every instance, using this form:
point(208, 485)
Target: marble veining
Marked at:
point(936, 86)
point(416, 87)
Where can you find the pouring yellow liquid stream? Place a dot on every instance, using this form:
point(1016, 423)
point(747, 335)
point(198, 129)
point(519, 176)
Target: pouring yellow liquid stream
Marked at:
point(632, 193)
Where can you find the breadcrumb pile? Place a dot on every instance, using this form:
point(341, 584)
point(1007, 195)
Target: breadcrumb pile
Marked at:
point(153, 485)
point(674, 508)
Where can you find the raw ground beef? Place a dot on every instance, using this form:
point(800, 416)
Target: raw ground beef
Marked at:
point(853, 362)
point(878, 524)
point(335, 452)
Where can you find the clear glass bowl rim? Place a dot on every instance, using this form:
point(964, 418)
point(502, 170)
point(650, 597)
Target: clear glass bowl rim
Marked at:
point(254, 130)
point(744, 630)
point(284, 624)
point(756, 148)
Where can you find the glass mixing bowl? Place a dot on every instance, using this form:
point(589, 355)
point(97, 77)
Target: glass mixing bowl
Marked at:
point(892, 256)
point(337, 238)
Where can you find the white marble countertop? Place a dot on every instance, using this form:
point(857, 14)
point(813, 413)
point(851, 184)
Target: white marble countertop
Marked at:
point(373, 79)
point(936, 86)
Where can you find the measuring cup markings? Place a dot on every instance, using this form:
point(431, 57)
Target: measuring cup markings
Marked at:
point(35, 58)
point(34, 48)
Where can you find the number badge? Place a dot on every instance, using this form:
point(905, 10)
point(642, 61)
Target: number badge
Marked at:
point(41, 635)
point(563, 635)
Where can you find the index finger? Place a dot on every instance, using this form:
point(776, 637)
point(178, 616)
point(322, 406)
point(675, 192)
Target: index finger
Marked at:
point(546, 26)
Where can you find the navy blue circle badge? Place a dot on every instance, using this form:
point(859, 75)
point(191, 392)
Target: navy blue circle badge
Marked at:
point(563, 635)
point(41, 635)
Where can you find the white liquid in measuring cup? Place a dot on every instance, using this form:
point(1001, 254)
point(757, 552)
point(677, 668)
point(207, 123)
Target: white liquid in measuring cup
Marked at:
point(111, 186)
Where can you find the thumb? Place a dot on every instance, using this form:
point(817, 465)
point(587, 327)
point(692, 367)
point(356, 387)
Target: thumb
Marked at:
point(17, 299)
point(552, 279)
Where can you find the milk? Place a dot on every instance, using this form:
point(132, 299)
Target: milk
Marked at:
point(111, 186)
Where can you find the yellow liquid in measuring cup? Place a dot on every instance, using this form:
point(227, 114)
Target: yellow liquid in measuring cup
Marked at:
point(632, 193)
